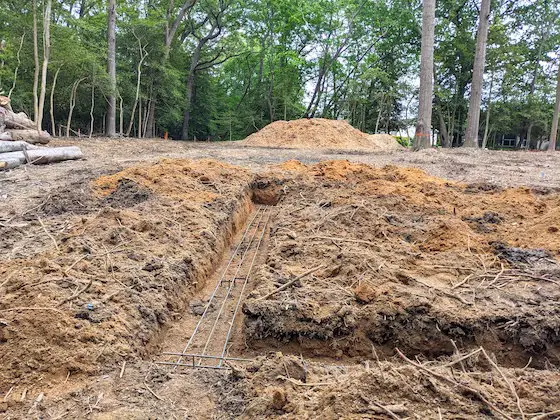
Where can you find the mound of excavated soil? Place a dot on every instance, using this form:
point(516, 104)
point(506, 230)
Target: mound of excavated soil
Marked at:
point(408, 260)
point(129, 252)
point(320, 133)
point(462, 279)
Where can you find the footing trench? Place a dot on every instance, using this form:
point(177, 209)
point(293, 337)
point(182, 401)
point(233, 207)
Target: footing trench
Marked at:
point(208, 344)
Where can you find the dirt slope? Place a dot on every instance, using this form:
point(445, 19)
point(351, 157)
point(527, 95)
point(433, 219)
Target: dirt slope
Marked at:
point(98, 271)
point(98, 275)
point(319, 133)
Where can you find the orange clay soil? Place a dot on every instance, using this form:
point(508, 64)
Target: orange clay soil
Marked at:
point(97, 275)
point(144, 240)
point(319, 133)
point(409, 261)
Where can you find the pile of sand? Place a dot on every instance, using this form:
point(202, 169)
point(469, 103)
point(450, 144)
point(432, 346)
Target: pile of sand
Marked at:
point(319, 133)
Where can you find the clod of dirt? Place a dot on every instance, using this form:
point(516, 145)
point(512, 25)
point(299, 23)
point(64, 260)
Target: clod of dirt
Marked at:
point(320, 133)
point(479, 187)
point(197, 307)
point(481, 223)
point(279, 399)
point(522, 255)
point(74, 199)
point(127, 194)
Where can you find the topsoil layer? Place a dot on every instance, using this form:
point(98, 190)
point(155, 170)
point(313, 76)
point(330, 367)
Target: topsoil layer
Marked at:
point(320, 133)
point(95, 274)
point(92, 275)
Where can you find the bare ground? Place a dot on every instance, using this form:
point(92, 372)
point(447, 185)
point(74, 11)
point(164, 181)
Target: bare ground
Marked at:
point(407, 260)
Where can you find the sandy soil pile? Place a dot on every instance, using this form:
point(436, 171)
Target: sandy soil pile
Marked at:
point(319, 133)
point(98, 271)
point(289, 387)
point(409, 260)
point(96, 276)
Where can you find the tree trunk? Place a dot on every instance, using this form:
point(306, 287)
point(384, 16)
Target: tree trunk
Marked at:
point(91, 109)
point(52, 102)
point(487, 124)
point(379, 114)
point(111, 69)
point(554, 130)
point(121, 117)
point(443, 128)
point(36, 59)
point(45, 155)
point(189, 94)
point(422, 138)
point(143, 55)
point(15, 146)
point(529, 132)
point(17, 121)
point(18, 56)
point(188, 102)
point(44, 70)
point(73, 94)
point(30, 136)
point(150, 123)
point(473, 116)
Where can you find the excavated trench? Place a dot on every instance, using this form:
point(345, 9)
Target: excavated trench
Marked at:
point(397, 315)
point(394, 309)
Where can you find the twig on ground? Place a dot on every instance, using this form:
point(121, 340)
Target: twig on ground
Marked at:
point(545, 415)
point(291, 282)
point(508, 382)
point(460, 359)
point(386, 410)
point(32, 308)
point(152, 392)
point(78, 293)
point(299, 383)
point(472, 391)
point(445, 292)
point(122, 369)
point(337, 238)
point(48, 233)
point(378, 361)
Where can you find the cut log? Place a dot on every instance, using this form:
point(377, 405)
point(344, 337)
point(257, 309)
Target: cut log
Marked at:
point(8, 163)
point(18, 121)
point(15, 146)
point(5, 137)
point(5, 102)
point(44, 155)
point(31, 136)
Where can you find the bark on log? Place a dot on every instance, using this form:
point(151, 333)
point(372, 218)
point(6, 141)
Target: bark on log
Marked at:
point(8, 163)
point(31, 136)
point(45, 155)
point(17, 121)
point(15, 146)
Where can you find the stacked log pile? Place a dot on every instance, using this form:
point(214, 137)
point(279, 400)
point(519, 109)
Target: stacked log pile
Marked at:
point(19, 138)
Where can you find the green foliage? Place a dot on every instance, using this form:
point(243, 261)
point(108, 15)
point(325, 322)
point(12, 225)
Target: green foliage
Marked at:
point(269, 56)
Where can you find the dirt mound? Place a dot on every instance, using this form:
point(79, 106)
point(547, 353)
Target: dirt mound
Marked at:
point(410, 260)
point(92, 288)
point(319, 133)
point(290, 387)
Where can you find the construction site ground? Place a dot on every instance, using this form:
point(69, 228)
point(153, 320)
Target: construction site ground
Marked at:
point(357, 285)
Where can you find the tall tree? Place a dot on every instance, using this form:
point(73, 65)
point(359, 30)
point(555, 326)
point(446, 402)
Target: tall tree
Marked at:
point(554, 130)
point(473, 116)
point(46, 55)
point(110, 129)
point(422, 137)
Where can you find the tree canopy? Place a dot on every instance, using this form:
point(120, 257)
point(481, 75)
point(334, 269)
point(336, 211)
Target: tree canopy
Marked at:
point(222, 69)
